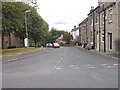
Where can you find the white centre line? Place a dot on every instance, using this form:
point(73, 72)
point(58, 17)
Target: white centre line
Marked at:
point(116, 64)
point(104, 64)
point(91, 67)
point(56, 66)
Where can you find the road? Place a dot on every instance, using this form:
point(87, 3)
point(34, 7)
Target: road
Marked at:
point(64, 67)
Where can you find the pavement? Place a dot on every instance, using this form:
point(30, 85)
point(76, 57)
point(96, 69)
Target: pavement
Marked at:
point(108, 54)
point(65, 67)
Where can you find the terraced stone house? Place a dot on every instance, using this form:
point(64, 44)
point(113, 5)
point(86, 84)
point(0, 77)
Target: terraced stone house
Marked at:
point(102, 26)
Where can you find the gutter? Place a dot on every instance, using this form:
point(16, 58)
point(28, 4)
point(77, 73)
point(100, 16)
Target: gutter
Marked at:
point(93, 31)
point(99, 33)
point(104, 9)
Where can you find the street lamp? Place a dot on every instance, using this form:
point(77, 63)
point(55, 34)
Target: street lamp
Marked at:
point(26, 41)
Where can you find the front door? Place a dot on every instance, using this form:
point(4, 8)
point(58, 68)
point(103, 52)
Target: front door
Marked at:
point(110, 41)
point(97, 42)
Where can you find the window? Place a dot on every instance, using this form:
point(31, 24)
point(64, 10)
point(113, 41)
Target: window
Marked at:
point(103, 18)
point(84, 27)
point(97, 17)
point(110, 15)
point(91, 19)
point(91, 35)
point(102, 37)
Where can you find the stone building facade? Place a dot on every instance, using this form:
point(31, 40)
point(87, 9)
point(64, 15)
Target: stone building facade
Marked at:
point(93, 27)
point(83, 31)
point(102, 27)
point(111, 27)
point(119, 27)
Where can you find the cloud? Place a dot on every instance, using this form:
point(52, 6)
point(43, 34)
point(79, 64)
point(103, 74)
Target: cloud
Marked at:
point(64, 14)
point(62, 22)
point(66, 22)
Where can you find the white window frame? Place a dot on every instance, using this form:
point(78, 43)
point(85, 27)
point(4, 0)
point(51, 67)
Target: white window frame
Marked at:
point(102, 18)
point(110, 15)
point(97, 17)
point(84, 27)
point(102, 37)
point(91, 19)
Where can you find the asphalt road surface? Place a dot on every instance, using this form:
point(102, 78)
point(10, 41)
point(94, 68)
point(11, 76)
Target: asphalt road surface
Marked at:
point(64, 67)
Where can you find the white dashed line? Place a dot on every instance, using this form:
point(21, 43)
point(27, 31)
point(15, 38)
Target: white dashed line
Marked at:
point(116, 64)
point(58, 68)
point(107, 66)
point(87, 65)
point(114, 57)
point(104, 64)
point(91, 67)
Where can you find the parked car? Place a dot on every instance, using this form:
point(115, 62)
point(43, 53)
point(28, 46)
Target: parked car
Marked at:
point(49, 45)
point(56, 45)
point(85, 45)
point(89, 47)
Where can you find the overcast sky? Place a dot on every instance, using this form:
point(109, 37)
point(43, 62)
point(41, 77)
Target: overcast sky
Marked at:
point(64, 14)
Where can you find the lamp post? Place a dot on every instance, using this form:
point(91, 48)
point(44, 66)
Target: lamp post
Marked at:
point(26, 41)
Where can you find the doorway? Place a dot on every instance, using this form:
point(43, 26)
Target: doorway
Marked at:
point(110, 41)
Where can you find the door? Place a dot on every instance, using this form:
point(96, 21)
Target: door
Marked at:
point(97, 42)
point(110, 41)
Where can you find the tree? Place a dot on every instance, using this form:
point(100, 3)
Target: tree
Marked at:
point(38, 29)
point(14, 22)
point(12, 18)
point(67, 37)
point(54, 34)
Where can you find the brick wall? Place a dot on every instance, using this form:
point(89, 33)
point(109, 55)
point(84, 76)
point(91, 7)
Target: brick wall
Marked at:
point(13, 40)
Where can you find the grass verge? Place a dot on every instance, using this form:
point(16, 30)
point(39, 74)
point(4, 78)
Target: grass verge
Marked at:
point(6, 53)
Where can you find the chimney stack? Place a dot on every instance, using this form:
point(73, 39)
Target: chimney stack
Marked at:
point(92, 8)
point(105, 2)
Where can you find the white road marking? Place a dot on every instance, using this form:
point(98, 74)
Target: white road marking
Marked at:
point(74, 65)
point(114, 57)
point(115, 64)
point(58, 68)
point(104, 64)
point(87, 65)
point(71, 65)
point(75, 68)
point(91, 67)
point(107, 66)
point(59, 61)
point(61, 58)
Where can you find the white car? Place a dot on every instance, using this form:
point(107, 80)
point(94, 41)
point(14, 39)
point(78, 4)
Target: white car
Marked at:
point(49, 45)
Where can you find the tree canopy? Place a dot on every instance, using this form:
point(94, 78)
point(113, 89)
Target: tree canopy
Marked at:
point(13, 21)
point(54, 34)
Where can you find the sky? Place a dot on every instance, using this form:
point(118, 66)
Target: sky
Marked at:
point(65, 14)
